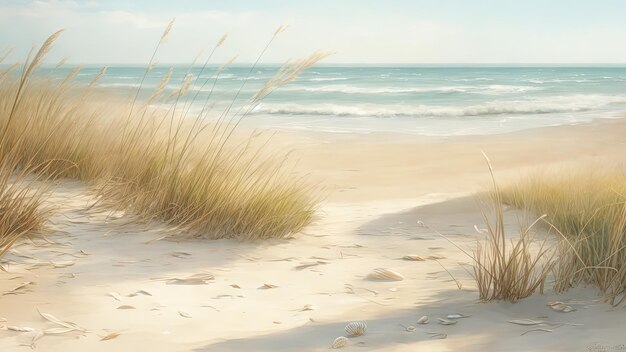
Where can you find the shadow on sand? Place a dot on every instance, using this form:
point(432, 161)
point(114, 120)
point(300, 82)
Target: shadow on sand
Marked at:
point(487, 328)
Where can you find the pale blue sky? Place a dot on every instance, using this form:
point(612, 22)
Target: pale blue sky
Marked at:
point(390, 31)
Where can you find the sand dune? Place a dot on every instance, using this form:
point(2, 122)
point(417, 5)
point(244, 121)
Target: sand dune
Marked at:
point(113, 276)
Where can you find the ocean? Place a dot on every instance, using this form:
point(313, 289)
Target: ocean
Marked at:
point(423, 100)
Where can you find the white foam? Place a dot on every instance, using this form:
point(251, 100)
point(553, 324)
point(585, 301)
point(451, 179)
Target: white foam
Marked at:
point(545, 105)
point(493, 89)
point(122, 85)
point(323, 79)
point(472, 79)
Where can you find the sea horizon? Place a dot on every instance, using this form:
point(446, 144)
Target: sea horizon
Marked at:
point(340, 64)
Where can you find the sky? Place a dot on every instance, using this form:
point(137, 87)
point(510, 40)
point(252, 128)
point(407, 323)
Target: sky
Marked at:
point(356, 31)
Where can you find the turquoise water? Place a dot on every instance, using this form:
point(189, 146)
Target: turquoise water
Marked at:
point(437, 101)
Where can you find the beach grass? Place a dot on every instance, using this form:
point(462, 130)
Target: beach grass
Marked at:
point(203, 176)
point(22, 213)
point(505, 269)
point(587, 208)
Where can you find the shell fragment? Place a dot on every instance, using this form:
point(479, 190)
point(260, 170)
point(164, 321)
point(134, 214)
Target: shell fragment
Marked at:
point(385, 274)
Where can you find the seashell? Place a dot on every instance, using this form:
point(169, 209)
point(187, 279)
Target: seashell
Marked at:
point(561, 307)
point(356, 328)
point(413, 257)
point(435, 257)
point(410, 328)
point(423, 320)
point(340, 342)
point(20, 328)
point(384, 274)
point(443, 321)
point(457, 316)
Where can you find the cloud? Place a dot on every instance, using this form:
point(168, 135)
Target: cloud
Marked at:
point(97, 35)
point(102, 32)
point(134, 20)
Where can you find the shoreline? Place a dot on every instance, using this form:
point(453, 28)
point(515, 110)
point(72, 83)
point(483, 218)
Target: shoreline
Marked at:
point(386, 136)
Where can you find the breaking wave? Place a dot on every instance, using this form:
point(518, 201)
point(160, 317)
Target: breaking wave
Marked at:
point(546, 105)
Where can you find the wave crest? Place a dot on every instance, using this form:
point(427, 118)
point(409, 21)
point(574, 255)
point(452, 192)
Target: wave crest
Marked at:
point(493, 89)
point(559, 104)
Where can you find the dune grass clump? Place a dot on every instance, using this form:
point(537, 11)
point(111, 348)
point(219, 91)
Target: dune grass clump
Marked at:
point(151, 158)
point(588, 209)
point(505, 269)
point(21, 211)
point(21, 196)
point(216, 193)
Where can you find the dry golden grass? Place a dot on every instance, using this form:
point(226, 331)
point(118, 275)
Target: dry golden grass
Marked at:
point(505, 269)
point(160, 164)
point(21, 211)
point(588, 210)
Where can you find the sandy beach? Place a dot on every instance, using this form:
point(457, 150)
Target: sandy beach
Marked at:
point(281, 176)
point(128, 290)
